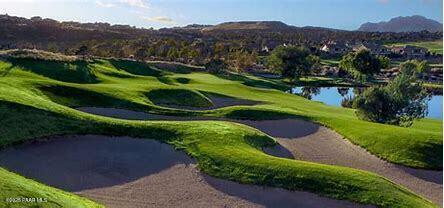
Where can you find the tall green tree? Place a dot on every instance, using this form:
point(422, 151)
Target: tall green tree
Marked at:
point(362, 64)
point(291, 61)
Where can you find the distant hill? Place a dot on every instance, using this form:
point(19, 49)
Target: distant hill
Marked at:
point(251, 25)
point(177, 43)
point(414, 23)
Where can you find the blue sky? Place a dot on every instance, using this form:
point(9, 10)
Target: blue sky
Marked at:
point(340, 14)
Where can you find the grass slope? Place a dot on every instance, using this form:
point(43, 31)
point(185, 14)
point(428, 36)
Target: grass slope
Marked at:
point(179, 97)
point(432, 46)
point(35, 105)
point(17, 187)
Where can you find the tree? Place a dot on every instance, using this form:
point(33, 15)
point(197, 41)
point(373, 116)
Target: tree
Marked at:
point(291, 61)
point(400, 102)
point(172, 54)
point(82, 50)
point(216, 66)
point(140, 54)
point(384, 61)
point(243, 60)
point(308, 92)
point(362, 64)
point(414, 68)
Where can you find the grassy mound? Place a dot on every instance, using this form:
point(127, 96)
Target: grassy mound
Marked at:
point(432, 46)
point(136, 68)
point(178, 68)
point(74, 72)
point(77, 97)
point(183, 80)
point(36, 54)
point(178, 97)
point(16, 187)
point(256, 114)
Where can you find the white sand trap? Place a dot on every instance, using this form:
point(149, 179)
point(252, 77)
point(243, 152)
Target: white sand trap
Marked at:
point(315, 143)
point(126, 172)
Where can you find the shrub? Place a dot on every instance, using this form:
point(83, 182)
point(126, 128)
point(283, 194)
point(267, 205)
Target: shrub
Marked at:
point(400, 102)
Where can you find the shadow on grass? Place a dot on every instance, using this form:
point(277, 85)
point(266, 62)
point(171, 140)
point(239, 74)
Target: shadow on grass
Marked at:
point(178, 97)
point(136, 68)
point(258, 114)
point(6, 71)
point(177, 68)
point(269, 84)
point(430, 153)
point(166, 80)
point(74, 71)
point(76, 97)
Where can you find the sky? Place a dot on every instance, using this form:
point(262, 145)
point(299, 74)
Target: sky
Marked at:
point(339, 14)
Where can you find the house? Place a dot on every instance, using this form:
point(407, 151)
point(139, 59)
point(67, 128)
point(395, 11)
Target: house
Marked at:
point(410, 51)
point(375, 49)
point(265, 49)
point(335, 48)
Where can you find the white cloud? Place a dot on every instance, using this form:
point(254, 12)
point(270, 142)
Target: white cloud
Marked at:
point(135, 3)
point(160, 19)
point(104, 4)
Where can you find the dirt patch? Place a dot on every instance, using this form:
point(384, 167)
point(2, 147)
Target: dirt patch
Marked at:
point(127, 172)
point(311, 142)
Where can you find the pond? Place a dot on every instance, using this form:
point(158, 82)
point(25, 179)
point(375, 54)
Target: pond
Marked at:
point(335, 95)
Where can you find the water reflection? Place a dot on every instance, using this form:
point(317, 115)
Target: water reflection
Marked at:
point(343, 91)
point(342, 96)
point(308, 92)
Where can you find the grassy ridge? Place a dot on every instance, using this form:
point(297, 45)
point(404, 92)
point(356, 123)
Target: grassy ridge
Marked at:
point(35, 106)
point(432, 46)
point(16, 187)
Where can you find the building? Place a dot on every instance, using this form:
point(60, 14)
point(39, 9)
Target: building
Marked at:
point(375, 49)
point(335, 48)
point(410, 51)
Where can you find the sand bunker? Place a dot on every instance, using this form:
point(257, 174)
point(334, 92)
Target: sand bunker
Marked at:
point(219, 102)
point(127, 172)
point(315, 143)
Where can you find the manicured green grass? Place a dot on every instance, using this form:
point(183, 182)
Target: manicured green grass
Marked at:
point(35, 105)
point(15, 187)
point(318, 81)
point(179, 97)
point(330, 62)
point(432, 85)
point(432, 46)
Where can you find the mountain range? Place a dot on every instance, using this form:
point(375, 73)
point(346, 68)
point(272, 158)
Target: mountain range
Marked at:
point(413, 23)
